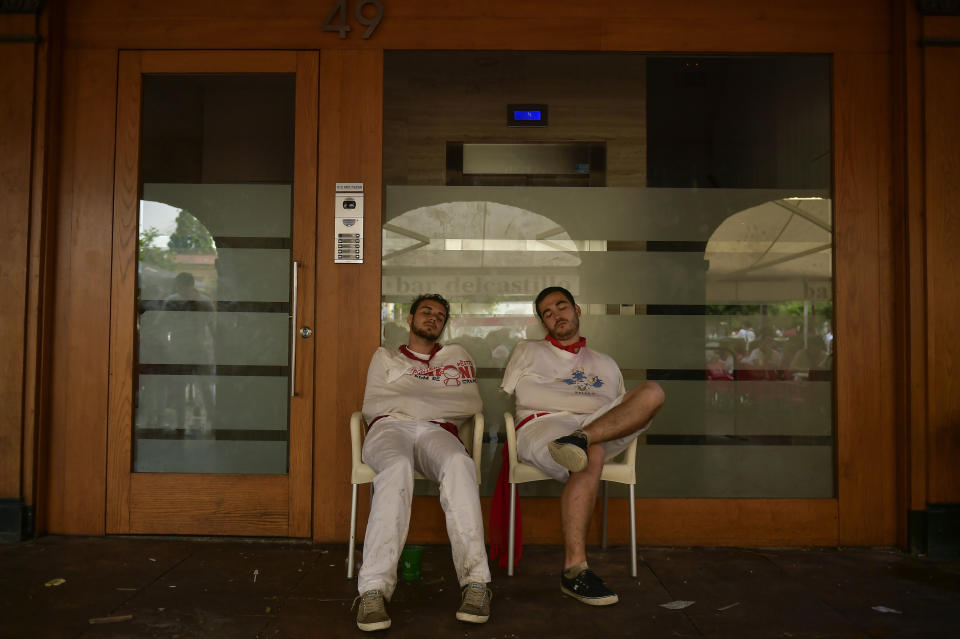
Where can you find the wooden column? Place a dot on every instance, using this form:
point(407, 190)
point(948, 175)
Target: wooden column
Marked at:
point(348, 295)
point(75, 479)
point(867, 381)
point(18, 51)
point(942, 173)
point(909, 230)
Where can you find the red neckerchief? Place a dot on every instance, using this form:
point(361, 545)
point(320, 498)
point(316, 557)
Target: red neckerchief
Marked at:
point(416, 356)
point(570, 348)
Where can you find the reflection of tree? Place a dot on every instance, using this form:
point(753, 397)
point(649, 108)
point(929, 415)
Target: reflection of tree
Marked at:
point(786, 310)
point(154, 255)
point(191, 236)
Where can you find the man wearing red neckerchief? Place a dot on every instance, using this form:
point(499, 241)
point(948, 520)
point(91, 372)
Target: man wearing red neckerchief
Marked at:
point(415, 399)
point(573, 414)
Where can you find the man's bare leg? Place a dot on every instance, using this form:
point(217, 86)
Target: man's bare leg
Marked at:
point(635, 411)
point(576, 507)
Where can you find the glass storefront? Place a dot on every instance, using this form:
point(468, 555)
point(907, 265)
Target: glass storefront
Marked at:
point(685, 201)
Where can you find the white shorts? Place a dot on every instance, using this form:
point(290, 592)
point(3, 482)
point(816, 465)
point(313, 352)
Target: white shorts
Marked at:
point(533, 437)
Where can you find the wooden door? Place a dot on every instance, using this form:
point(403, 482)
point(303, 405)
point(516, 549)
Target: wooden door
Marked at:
point(214, 243)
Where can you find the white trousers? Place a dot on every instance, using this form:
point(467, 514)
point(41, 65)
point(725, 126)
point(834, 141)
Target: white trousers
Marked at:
point(533, 437)
point(394, 448)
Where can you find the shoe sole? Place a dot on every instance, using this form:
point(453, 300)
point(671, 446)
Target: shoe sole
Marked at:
point(377, 625)
point(570, 456)
point(609, 600)
point(466, 616)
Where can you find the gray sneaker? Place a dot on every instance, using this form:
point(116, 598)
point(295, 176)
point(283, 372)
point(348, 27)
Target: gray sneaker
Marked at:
point(475, 607)
point(570, 451)
point(372, 612)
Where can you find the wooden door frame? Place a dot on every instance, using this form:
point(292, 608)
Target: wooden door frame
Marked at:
point(221, 504)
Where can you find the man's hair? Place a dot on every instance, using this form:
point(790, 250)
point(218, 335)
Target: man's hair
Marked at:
point(184, 280)
point(547, 291)
point(434, 297)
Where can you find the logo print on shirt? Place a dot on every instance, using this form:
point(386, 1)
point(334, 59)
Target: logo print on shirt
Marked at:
point(451, 375)
point(582, 381)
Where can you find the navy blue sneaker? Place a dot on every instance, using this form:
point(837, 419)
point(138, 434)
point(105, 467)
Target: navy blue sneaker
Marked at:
point(570, 451)
point(588, 588)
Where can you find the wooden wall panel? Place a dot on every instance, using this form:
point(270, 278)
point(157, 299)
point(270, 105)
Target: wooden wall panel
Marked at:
point(453, 96)
point(348, 295)
point(866, 379)
point(76, 478)
point(942, 103)
point(639, 25)
point(16, 158)
point(664, 522)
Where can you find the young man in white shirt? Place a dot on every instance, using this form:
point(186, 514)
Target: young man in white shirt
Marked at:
point(416, 398)
point(573, 414)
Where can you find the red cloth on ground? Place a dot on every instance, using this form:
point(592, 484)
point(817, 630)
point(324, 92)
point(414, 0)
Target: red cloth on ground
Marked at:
point(500, 512)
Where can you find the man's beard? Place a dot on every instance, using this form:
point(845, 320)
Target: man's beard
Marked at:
point(569, 330)
point(423, 334)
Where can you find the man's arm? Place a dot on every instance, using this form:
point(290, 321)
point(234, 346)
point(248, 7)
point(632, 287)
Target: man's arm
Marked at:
point(516, 367)
point(376, 377)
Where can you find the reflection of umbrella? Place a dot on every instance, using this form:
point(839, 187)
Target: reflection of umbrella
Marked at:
point(476, 250)
point(777, 251)
point(487, 233)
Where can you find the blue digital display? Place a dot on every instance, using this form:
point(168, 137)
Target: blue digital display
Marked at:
point(528, 116)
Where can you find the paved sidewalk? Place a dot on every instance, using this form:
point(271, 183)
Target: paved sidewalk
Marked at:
point(184, 589)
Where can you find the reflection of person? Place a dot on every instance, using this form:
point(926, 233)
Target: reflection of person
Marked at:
point(190, 341)
point(812, 357)
point(415, 399)
point(746, 334)
point(828, 337)
point(499, 351)
point(765, 355)
point(718, 368)
point(394, 335)
point(573, 415)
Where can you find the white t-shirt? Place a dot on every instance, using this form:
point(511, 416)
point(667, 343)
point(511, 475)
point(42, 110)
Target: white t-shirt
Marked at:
point(444, 389)
point(549, 379)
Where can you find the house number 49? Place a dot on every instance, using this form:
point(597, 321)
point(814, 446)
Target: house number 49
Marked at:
point(337, 18)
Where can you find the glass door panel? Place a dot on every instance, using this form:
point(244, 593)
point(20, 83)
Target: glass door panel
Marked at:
point(214, 278)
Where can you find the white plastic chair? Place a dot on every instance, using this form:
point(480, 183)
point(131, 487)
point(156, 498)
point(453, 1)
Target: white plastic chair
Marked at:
point(471, 432)
point(623, 472)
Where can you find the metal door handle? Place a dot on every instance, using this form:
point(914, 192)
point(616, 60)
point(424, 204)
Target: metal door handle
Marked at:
point(306, 331)
point(293, 333)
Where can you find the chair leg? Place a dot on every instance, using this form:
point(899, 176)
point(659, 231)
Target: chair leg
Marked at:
point(603, 542)
point(633, 534)
point(513, 504)
point(353, 533)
